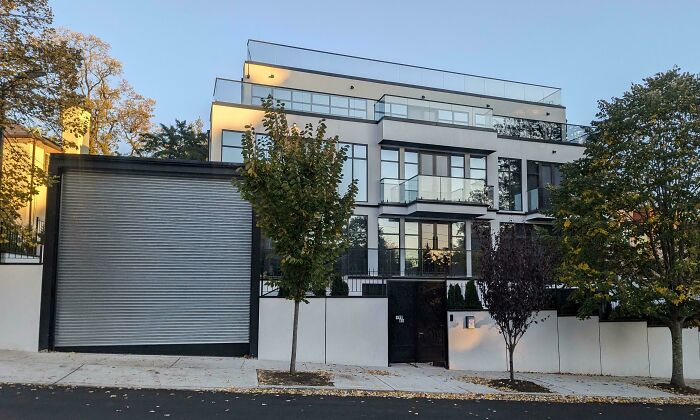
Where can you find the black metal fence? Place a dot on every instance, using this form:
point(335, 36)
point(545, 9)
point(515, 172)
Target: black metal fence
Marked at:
point(394, 262)
point(354, 287)
point(22, 245)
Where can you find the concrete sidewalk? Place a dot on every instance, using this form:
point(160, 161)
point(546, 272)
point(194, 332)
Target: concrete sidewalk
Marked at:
point(220, 373)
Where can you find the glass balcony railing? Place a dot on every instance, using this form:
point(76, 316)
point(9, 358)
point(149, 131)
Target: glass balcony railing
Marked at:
point(237, 92)
point(303, 58)
point(436, 188)
point(440, 112)
point(540, 130)
point(539, 199)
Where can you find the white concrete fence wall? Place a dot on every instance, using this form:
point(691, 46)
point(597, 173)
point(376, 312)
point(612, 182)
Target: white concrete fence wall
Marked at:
point(340, 330)
point(570, 345)
point(20, 305)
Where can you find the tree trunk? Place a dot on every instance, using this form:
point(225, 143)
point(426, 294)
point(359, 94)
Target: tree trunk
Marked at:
point(511, 350)
point(293, 361)
point(677, 378)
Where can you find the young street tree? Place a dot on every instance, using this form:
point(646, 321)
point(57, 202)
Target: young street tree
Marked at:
point(117, 112)
point(179, 141)
point(629, 210)
point(291, 178)
point(515, 274)
point(38, 78)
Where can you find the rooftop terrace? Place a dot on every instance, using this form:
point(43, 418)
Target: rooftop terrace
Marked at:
point(347, 65)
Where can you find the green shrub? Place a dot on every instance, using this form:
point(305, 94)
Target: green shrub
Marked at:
point(471, 300)
point(455, 299)
point(338, 286)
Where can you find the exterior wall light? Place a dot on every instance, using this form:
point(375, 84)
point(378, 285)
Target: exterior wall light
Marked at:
point(271, 76)
point(469, 322)
point(352, 87)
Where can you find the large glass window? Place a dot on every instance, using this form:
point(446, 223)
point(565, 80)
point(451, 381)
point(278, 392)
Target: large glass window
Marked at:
point(322, 103)
point(355, 259)
point(477, 167)
point(481, 232)
point(410, 165)
point(389, 254)
point(457, 166)
point(540, 175)
point(231, 146)
point(355, 167)
point(390, 163)
point(510, 184)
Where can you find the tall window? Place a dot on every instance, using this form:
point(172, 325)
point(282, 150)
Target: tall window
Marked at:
point(355, 259)
point(539, 176)
point(410, 164)
point(388, 253)
point(457, 166)
point(390, 163)
point(232, 146)
point(477, 167)
point(481, 232)
point(355, 167)
point(510, 184)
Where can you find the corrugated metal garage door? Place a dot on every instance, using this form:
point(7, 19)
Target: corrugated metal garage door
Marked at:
point(151, 259)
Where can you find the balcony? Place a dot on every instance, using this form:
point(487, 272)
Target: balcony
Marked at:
point(436, 189)
point(431, 111)
point(304, 58)
point(521, 128)
point(427, 195)
point(394, 262)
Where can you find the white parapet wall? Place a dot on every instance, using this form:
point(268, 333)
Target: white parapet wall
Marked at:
point(341, 330)
point(20, 305)
point(571, 345)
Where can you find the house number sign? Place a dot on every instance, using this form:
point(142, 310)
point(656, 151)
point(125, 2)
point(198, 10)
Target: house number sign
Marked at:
point(400, 319)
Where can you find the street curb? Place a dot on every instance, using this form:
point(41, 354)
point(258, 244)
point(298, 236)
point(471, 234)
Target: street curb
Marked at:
point(471, 396)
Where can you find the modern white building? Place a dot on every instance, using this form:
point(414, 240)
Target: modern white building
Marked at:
point(440, 158)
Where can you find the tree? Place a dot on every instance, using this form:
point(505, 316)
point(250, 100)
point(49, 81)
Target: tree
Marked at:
point(629, 210)
point(455, 299)
point(471, 299)
point(179, 141)
point(38, 77)
point(515, 274)
point(291, 177)
point(117, 112)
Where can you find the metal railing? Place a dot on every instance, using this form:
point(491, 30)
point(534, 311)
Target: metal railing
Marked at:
point(436, 188)
point(304, 58)
point(367, 286)
point(22, 246)
point(439, 112)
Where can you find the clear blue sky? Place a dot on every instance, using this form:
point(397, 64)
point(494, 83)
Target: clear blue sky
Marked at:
point(173, 49)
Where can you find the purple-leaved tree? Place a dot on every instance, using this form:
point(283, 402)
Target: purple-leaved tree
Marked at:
point(515, 273)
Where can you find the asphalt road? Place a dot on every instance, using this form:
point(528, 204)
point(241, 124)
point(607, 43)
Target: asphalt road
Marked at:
point(57, 403)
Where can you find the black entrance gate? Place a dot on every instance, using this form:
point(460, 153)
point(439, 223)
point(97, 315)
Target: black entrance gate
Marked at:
point(417, 322)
